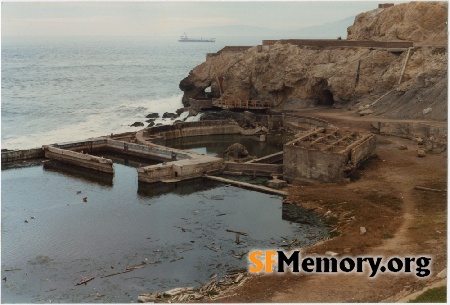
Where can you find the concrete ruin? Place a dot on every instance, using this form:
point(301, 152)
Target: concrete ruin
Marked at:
point(325, 154)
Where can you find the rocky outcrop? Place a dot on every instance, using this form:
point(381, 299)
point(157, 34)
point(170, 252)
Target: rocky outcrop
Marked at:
point(424, 23)
point(296, 76)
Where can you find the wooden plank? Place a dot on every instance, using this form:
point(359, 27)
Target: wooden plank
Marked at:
point(248, 185)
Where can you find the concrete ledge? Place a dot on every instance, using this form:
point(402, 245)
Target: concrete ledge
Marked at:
point(16, 155)
point(79, 159)
point(192, 129)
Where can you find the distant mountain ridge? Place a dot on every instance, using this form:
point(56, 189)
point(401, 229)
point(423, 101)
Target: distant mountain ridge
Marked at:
point(329, 30)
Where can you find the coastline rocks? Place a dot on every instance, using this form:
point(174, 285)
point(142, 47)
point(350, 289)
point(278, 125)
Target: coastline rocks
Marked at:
point(152, 115)
point(137, 124)
point(152, 123)
point(168, 115)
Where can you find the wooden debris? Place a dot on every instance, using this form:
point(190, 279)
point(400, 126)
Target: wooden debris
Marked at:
point(239, 256)
point(234, 277)
point(84, 281)
point(241, 233)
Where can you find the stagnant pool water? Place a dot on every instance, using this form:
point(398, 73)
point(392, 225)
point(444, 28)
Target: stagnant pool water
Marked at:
point(179, 230)
point(217, 144)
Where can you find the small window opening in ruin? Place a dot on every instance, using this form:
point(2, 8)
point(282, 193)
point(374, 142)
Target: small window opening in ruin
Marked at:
point(176, 174)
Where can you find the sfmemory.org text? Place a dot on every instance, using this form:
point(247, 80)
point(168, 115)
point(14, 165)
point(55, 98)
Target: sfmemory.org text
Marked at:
point(277, 261)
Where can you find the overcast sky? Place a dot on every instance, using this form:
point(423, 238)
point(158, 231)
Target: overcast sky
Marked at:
point(165, 18)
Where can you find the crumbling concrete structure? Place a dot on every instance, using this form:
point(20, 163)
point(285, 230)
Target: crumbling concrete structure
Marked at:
point(325, 154)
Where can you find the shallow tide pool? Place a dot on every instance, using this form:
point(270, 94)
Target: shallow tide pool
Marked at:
point(177, 230)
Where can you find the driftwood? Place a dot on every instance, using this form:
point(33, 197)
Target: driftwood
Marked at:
point(290, 244)
point(421, 188)
point(131, 268)
point(241, 233)
point(239, 256)
point(85, 281)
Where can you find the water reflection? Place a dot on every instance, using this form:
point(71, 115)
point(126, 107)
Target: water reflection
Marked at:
point(84, 174)
point(182, 188)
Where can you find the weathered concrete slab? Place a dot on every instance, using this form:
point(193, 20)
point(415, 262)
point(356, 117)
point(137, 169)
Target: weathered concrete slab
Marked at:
point(195, 167)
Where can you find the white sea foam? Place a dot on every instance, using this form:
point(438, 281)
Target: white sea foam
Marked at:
point(115, 119)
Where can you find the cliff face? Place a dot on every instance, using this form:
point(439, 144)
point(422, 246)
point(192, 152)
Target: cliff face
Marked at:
point(295, 76)
point(424, 23)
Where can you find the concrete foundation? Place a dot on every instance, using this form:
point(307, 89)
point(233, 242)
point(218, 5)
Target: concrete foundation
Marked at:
point(325, 155)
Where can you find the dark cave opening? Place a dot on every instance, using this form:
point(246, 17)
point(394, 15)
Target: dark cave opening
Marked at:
point(325, 98)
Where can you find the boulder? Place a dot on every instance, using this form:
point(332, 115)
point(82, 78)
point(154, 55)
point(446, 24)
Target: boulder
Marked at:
point(152, 123)
point(152, 115)
point(137, 124)
point(420, 153)
point(150, 120)
point(237, 152)
point(168, 115)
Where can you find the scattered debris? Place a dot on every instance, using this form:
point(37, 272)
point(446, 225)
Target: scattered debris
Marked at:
point(78, 192)
point(84, 281)
point(85, 199)
point(239, 256)
point(211, 290)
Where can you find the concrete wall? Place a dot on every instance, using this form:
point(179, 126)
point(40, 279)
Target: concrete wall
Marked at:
point(310, 165)
point(87, 146)
point(79, 159)
point(192, 129)
point(342, 43)
point(152, 151)
point(410, 129)
point(198, 105)
point(16, 155)
point(271, 121)
point(259, 169)
point(311, 121)
point(360, 153)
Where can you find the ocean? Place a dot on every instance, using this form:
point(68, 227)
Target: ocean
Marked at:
point(72, 89)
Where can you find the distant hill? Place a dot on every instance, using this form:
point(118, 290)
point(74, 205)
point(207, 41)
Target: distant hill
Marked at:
point(329, 30)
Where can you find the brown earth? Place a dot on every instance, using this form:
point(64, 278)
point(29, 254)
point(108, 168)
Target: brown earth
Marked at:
point(400, 221)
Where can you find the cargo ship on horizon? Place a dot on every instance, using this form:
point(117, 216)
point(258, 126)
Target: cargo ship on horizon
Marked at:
point(184, 38)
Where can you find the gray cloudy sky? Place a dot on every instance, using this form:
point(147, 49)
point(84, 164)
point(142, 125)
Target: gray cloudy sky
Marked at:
point(165, 18)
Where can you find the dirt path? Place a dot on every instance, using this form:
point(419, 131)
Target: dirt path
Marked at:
point(400, 221)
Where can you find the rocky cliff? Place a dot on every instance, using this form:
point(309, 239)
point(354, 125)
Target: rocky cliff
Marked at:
point(298, 76)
